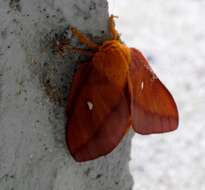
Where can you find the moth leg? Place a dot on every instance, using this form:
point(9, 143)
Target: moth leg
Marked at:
point(62, 46)
point(82, 51)
point(83, 38)
point(113, 31)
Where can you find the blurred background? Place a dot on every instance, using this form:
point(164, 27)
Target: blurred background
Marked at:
point(171, 34)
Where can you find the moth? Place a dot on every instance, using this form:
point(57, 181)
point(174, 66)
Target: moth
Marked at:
point(114, 91)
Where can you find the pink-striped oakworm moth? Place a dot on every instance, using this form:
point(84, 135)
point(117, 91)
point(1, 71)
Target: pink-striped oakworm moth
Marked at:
point(113, 91)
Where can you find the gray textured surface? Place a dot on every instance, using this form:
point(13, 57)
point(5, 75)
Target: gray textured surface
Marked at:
point(33, 86)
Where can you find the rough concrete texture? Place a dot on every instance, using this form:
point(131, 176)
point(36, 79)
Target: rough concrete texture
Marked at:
point(33, 88)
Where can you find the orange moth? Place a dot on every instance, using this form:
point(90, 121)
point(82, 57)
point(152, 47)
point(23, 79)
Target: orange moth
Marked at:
point(112, 92)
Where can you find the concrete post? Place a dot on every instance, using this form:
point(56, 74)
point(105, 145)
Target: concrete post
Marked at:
point(33, 88)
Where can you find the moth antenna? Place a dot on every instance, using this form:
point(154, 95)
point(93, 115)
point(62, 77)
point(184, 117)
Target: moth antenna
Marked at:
point(113, 31)
point(83, 38)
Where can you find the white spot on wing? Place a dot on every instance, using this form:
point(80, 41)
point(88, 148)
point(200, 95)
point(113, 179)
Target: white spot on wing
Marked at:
point(90, 105)
point(142, 85)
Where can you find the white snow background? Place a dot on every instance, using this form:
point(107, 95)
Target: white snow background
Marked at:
point(172, 35)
